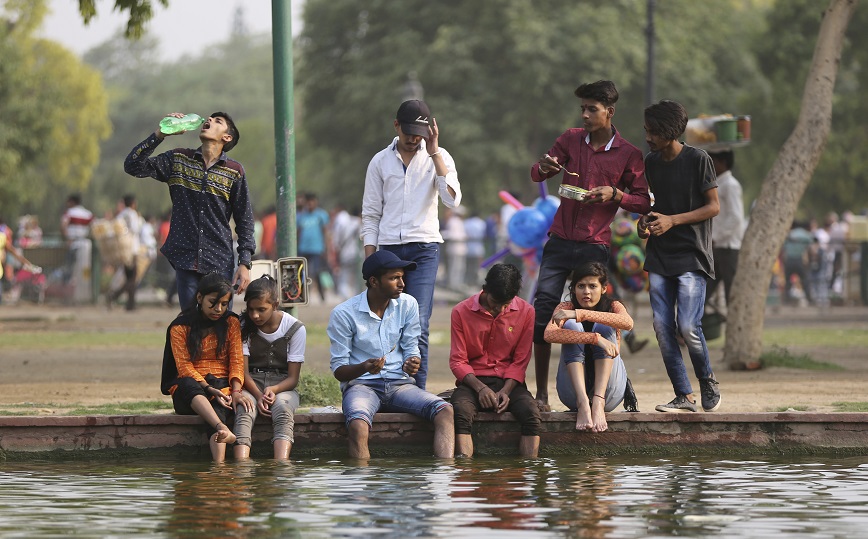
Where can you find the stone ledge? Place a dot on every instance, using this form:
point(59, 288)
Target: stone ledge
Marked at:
point(325, 434)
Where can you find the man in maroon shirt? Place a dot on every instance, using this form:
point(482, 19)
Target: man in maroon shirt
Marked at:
point(612, 171)
point(491, 346)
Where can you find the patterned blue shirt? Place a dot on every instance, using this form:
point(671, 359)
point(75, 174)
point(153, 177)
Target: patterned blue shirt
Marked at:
point(357, 335)
point(203, 202)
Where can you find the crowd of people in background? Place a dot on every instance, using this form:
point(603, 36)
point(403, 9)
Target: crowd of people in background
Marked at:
point(810, 270)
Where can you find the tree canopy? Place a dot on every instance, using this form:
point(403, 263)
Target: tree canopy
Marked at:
point(54, 112)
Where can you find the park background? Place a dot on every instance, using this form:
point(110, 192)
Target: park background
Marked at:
point(498, 75)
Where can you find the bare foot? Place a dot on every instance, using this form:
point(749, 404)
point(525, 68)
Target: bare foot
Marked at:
point(224, 435)
point(583, 417)
point(543, 405)
point(598, 416)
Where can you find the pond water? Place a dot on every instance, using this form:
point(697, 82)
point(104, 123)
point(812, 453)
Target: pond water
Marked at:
point(482, 497)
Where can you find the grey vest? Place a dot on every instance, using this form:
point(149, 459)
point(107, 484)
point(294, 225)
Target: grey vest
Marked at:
point(271, 355)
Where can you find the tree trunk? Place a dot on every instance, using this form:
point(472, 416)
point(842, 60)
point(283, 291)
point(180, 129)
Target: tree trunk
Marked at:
point(772, 216)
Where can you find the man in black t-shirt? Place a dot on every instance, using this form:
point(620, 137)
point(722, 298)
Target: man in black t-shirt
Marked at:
point(678, 256)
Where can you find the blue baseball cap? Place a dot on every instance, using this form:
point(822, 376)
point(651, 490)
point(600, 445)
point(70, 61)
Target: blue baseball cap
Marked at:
point(381, 260)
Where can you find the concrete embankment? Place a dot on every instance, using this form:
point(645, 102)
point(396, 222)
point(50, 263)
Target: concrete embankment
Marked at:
point(401, 434)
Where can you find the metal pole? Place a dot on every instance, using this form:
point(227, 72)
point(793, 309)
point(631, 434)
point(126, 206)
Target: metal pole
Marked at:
point(284, 126)
point(649, 73)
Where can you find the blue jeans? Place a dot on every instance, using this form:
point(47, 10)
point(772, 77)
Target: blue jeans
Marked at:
point(364, 398)
point(419, 283)
point(188, 283)
point(560, 258)
point(573, 353)
point(677, 304)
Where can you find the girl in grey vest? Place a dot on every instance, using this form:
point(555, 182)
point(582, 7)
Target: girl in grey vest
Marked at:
point(274, 343)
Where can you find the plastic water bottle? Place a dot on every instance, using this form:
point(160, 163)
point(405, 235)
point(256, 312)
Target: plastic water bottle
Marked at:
point(171, 125)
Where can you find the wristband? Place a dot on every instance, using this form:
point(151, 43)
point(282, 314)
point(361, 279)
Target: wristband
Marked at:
point(435, 153)
point(600, 396)
point(614, 193)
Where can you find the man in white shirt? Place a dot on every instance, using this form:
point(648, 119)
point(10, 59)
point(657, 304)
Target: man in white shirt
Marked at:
point(399, 208)
point(727, 228)
point(75, 226)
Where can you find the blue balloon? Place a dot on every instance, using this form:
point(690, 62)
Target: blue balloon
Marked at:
point(548, 206)
point(528, 227)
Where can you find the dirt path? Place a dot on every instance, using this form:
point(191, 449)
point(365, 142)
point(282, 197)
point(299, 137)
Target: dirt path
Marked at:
point(60, 376)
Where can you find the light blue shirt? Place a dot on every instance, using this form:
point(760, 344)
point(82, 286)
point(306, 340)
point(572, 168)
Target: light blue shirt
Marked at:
point(357, 335)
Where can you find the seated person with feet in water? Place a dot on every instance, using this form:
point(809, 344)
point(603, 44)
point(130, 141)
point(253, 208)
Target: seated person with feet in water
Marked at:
point(274, 343)
point(492, 340)
point(203, 366)
point(375, 353)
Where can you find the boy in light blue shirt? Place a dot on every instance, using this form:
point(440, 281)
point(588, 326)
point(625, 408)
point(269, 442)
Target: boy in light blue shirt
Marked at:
point(375, 353)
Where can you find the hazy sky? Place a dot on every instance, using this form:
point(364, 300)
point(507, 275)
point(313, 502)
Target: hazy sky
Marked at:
point(173, 26)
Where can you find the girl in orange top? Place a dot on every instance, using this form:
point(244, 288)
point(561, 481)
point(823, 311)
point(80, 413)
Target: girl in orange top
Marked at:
point(590, 325)
point(203, 364)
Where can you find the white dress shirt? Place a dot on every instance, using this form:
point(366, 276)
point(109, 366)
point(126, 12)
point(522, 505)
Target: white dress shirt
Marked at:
point(399, 206)
point(727, 228)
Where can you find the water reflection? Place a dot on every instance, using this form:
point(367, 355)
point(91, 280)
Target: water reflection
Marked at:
point(509, 497)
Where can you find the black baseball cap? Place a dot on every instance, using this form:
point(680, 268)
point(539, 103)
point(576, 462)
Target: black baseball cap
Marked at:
point(413, 116)
point(381, 260)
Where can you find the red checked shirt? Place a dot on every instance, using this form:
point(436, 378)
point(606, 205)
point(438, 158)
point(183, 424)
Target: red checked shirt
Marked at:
point(617, 164)
point(487, 346)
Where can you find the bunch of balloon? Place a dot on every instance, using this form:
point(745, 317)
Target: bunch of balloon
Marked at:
point(528, 229)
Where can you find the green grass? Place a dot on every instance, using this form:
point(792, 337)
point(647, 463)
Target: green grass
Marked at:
point(815, 337)
point(121, 408)
point(850, 406)
point(316, 389)
point(781, 357)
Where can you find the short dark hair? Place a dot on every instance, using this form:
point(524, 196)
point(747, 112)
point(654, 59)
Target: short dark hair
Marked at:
point(502, 283)
point(667, 119)
point(233, 131)
point(727, 158)
point(603, 91)
point(129, 200)
point(75, 198)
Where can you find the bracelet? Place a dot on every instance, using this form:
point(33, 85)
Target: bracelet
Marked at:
point(435, 153)
point(614, 193)
point(236, 391)
point(602, 397)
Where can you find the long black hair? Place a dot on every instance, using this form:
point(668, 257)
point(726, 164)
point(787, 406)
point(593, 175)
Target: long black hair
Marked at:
point(591, 269)
point(263, 288)
point(199, 325)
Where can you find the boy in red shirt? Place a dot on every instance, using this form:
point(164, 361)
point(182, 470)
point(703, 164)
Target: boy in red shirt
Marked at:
point(492, 338)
